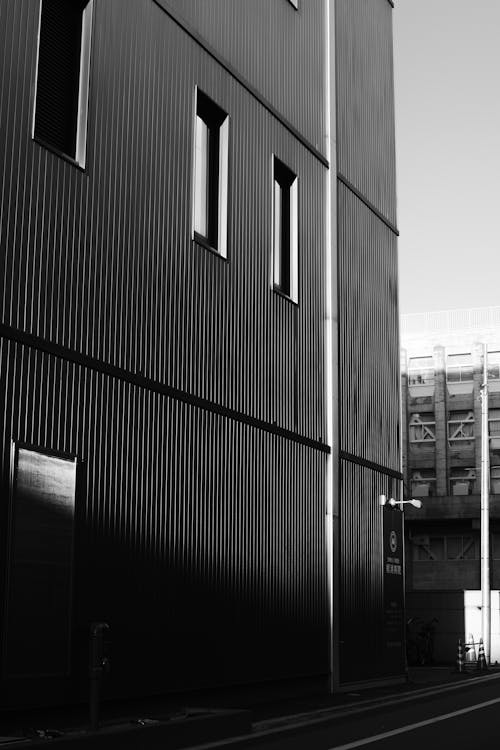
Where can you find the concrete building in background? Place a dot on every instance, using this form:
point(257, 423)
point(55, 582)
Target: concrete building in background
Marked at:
point(199, 349)
point(442, 374)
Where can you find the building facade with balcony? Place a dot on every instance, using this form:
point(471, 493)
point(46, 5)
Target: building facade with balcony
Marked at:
point(442, 373)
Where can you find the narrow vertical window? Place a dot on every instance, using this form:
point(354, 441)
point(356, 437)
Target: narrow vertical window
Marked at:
point(210, 175)
point(61, 104)
point(285, 231)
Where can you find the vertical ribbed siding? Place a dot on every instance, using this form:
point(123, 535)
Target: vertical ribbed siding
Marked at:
point(368, 334)
point(362, 634)
point(370, 647)
point(365, 100)
point(102, 261)
point(200, 539)
point(404, 416)
point(279, 51)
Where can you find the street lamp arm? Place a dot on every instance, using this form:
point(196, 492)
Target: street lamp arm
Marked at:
point(392, 502)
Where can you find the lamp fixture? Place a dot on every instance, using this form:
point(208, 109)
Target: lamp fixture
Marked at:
point(392, 502)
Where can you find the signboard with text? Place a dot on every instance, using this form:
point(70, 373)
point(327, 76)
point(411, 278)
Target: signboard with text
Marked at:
point(394, 590)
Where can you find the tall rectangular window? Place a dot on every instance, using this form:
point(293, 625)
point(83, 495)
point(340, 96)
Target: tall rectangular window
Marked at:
point(210, 174)
point(61, 104)
point(285, 231)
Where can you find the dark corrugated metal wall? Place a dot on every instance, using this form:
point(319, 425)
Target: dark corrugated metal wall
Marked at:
point(365, 101)
point(368, 328)
point(277, 49)
point(200, 536)
point(102, 262)
point(369, 365)
point(362, 646)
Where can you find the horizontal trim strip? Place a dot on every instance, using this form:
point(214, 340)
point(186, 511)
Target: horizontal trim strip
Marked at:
point(345, 456)
point(367, 203)
point(36, 342)
point(246, 85)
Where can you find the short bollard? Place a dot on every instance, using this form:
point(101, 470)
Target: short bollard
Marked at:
point(460, 657)
point(481, 659)
point(98, 667)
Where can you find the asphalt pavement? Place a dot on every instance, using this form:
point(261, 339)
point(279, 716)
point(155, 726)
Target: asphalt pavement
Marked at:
point(432, 706)
point(462, 712)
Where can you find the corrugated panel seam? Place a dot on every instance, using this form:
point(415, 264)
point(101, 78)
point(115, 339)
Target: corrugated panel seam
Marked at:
point(367, 203)
point(98, 366)
point(370, 465)
point(242, 81)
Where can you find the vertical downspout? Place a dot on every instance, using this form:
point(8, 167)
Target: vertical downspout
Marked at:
point(402, 495)
point(331, 356)
point(485, 513)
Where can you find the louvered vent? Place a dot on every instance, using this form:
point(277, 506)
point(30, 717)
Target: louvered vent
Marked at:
point(56, 116)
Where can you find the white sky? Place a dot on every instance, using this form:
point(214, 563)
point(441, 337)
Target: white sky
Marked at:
point(447, 86)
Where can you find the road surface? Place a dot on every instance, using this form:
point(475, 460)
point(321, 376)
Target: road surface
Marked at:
point(459, 719)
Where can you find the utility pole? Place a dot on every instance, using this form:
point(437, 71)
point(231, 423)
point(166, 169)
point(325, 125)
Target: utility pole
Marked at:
point(485, 512)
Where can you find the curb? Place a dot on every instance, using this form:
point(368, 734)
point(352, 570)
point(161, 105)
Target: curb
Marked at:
point(224, 727)
point(199, 725)
point(367, 704)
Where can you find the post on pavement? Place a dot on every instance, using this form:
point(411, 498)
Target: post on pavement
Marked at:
point(98, 667)
point(485, 513)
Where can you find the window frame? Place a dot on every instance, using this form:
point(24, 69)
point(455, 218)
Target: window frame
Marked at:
point(459, 368)
point(79, 158)
point(427, 373)
point(285, 181)
point(216, 187)
point(425, 428)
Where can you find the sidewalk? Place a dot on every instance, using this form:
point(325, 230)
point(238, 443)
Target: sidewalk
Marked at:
point(420, 679)
point(177, 722)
